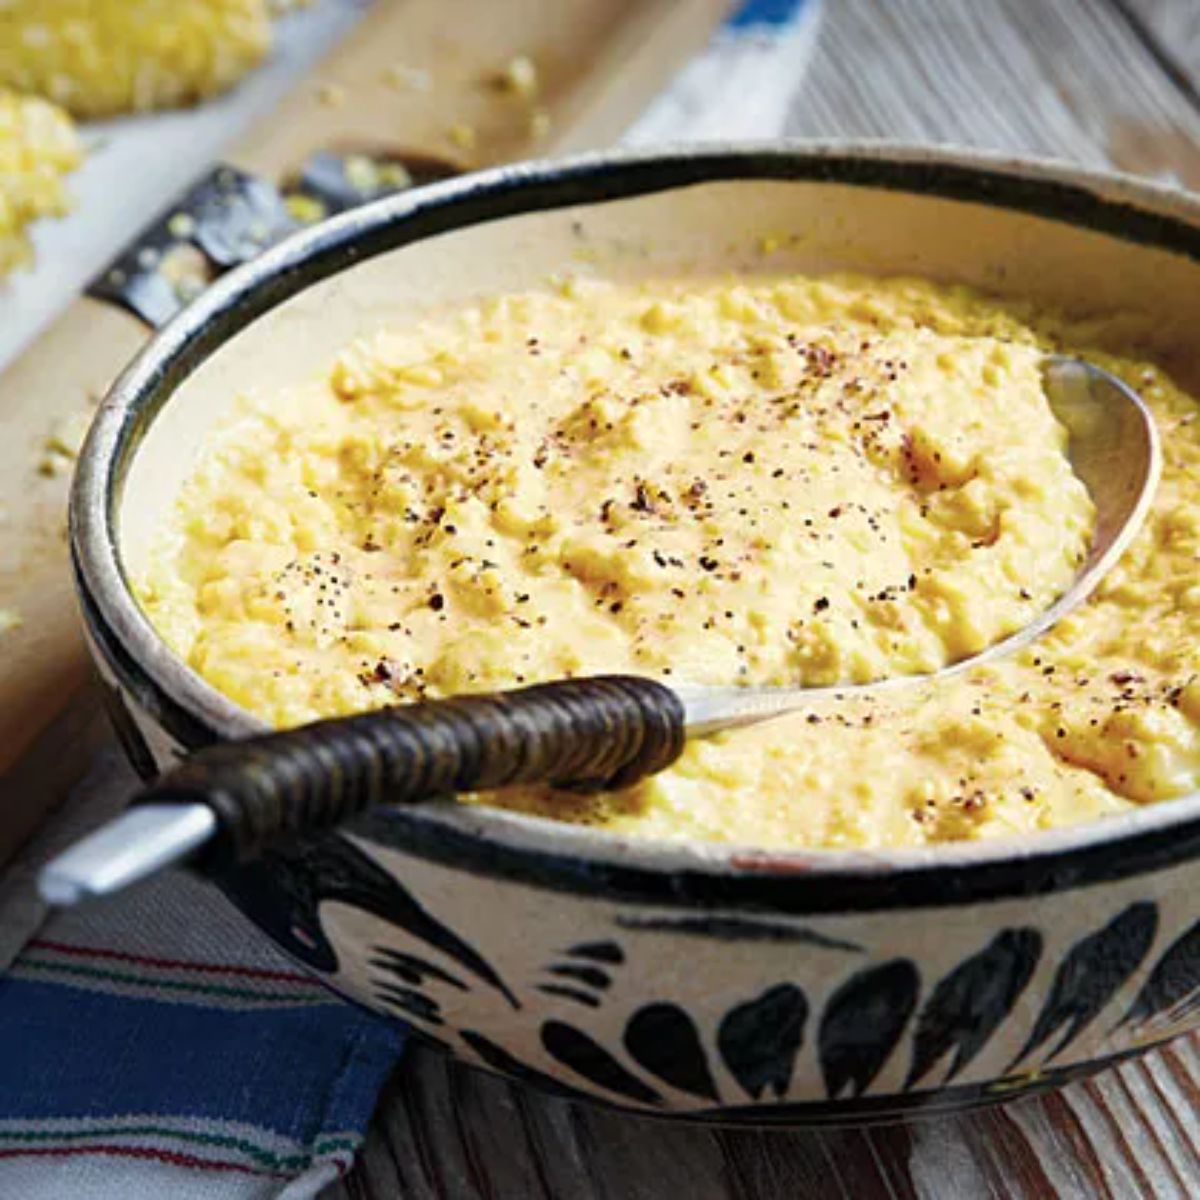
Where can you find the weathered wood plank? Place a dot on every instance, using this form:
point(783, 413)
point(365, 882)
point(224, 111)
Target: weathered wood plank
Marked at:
point(1103, 82)
point(1064, 79)
point(1172, 28)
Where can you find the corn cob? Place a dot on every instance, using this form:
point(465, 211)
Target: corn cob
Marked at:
point(98, 58)
point(38, 147)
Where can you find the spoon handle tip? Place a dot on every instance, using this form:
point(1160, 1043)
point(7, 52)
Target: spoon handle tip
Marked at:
point(136, 844)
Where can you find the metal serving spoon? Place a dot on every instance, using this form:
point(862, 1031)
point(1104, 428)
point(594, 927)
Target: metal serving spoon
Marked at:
point(231, 800)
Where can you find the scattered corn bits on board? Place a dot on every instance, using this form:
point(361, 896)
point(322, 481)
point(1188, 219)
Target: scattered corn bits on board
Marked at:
point(469, 82)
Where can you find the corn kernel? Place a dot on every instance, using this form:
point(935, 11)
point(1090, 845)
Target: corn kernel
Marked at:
point(38, 147)
point(97, 58)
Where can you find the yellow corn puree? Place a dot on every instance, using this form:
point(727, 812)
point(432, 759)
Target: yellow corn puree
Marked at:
point(771, 480)
point(98, 58)
point(38, 147)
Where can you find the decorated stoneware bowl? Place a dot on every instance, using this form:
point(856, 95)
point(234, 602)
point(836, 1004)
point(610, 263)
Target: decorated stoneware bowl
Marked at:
point(714, 982)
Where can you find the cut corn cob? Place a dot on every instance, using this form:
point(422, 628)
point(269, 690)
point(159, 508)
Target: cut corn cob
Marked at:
point(102, 57)
point(38, 147)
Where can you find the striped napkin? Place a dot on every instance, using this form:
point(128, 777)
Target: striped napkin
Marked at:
point(154, 1044)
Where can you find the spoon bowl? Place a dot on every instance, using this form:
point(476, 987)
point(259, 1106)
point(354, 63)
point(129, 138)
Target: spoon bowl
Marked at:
point(1113, 447)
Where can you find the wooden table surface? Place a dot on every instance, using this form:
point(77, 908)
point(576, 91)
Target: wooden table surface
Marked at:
point(1102, 82)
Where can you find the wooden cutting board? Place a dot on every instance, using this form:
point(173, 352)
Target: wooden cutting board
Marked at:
point(416, 77)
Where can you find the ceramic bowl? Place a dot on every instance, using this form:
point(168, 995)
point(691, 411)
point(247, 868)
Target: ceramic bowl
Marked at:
point(716, 982)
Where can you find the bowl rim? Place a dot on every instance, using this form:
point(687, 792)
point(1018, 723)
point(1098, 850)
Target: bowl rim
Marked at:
point(502, 843)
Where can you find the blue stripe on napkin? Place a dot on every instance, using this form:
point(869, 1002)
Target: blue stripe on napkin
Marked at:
point(296, 1071)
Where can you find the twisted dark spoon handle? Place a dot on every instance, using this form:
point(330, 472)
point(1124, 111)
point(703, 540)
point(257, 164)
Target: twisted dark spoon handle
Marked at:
point(601, 732)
